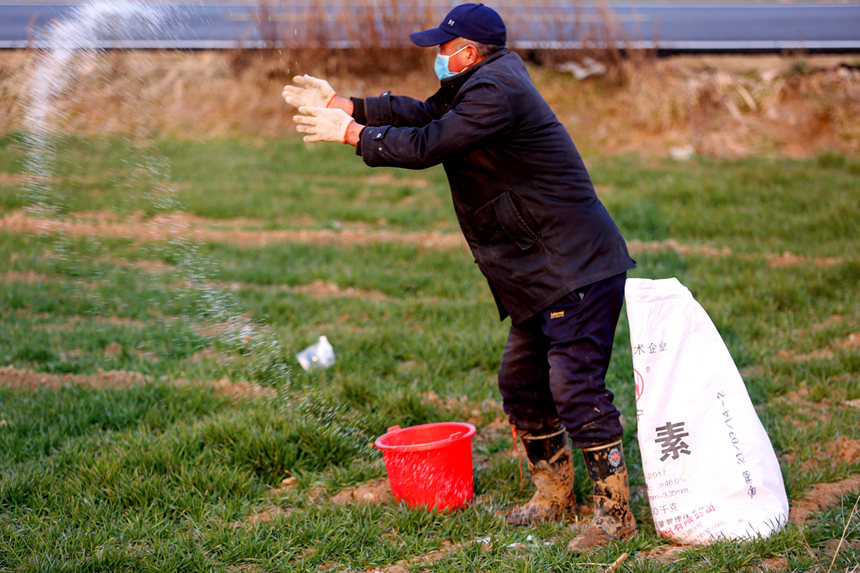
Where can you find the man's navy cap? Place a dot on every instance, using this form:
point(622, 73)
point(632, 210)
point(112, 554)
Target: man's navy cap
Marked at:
point(474, 22)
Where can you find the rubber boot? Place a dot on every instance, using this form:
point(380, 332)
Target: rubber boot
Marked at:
point(612, 516)
point(551, 468)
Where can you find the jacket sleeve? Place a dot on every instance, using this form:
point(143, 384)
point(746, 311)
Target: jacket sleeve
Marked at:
point(397, 110)
point(481, 111)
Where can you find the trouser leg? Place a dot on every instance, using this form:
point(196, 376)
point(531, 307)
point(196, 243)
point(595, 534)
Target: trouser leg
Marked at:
point(554, 365)
point(524, 382)
point(579, 355)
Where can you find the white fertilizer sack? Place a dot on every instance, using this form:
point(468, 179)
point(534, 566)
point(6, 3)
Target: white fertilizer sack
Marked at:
point(710, 469)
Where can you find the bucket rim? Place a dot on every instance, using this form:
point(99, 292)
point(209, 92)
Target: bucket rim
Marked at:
point(470, 431)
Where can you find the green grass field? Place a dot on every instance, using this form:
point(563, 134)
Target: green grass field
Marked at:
point(164, 466)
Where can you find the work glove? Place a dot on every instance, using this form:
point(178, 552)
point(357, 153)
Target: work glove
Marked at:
point(309, 92)
point(322, 124)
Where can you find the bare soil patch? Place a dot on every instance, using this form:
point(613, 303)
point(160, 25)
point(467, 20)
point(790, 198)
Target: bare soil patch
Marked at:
point(850, 342)
point(265, 515)
point(773, 565)
point(154, 267)
point(809, 411)
point(406, 565)
point(787, 259)
point(637, 246)
point(25, 277)
point(828, 322)
point(381, 179)
point(325, 289)
point(374, 492)
point(844, 449)
point(205, 355)
point(23, 379)
point(179, 225)
point(70, 321)
point(318, 289)
point(822, 496)
point(241, 389)
point(230, 327)
point(387, 179)
point(662, 553)
point(22, 179)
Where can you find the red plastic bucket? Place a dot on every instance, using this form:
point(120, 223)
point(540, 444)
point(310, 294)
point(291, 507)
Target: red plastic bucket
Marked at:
point(430, 465)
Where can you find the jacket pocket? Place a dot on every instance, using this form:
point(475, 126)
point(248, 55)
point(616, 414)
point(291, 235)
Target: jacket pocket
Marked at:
point(502, 212)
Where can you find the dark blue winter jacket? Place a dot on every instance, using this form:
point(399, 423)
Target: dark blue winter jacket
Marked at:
point(521, 192)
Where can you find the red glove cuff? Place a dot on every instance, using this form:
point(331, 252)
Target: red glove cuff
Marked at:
point(346, 131)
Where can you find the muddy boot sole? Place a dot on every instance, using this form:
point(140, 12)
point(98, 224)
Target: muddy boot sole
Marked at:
point(537, 513)
point(594, 537)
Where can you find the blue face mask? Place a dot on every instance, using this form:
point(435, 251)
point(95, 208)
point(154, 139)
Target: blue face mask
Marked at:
point(440, 66)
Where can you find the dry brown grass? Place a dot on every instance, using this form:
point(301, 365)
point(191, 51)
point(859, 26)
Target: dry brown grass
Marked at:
point(722, 106)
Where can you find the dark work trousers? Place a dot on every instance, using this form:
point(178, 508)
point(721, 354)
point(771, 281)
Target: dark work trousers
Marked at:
point(554, 365)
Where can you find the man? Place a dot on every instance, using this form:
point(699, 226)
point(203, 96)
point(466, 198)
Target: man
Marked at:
point(554, 259)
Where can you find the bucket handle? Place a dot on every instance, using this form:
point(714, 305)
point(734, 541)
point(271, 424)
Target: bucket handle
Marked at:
point(454, 435)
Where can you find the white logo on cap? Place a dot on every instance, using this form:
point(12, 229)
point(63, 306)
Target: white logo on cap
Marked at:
point(451, 23)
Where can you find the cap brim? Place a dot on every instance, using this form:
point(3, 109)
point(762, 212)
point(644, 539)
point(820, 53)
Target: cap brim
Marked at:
point(431, 37)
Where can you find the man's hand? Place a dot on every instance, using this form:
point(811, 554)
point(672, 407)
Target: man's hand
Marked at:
point(321, 124)
point(308, 92)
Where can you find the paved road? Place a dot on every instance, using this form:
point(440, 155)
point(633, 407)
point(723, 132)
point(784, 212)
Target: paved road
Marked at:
point(686, 27)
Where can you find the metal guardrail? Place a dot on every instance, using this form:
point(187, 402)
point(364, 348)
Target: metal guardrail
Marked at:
point(546, 25)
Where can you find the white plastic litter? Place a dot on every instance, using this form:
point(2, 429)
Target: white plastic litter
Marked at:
point(710, 469)
point(587, 68)
point(316, 356)
point(530, 543)
point(683, 153)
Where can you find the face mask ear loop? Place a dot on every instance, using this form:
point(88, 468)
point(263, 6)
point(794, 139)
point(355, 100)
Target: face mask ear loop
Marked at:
point(457, 52)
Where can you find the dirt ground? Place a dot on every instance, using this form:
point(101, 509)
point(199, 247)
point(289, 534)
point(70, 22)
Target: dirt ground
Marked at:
point(725, 106)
